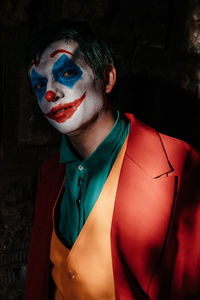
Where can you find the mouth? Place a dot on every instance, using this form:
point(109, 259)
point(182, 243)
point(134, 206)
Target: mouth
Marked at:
point(63, 112)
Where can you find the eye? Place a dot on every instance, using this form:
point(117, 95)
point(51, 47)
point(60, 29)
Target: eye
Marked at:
point(69, 73)
point(39, 85)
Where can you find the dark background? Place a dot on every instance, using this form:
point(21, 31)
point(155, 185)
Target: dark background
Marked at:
point(158, 43)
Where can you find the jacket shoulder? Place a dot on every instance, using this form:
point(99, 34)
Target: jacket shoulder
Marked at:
point(157, 153)
point(183, 158)
point(180, 148)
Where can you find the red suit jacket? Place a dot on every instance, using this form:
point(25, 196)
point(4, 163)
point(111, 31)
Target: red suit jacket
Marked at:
point(155, 233)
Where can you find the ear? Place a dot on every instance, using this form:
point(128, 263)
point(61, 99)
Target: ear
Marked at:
point(111, 79)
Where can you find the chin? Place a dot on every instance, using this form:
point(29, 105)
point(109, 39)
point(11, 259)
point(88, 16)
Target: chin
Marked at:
point(63, 127)
point(75, 125)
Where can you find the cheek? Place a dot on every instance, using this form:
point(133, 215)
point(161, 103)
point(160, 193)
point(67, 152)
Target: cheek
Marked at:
point(41, 94)
point(90, 85)
point(44, 105)
point(94, 99)
point(93, 103)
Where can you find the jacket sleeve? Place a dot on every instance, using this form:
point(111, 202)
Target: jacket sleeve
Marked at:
point(186, 275)
point(38, 277)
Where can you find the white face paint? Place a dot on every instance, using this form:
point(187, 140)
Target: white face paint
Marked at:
point(66, 89)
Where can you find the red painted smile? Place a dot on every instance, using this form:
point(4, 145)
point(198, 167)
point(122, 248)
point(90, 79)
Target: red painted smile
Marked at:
point(63, 112)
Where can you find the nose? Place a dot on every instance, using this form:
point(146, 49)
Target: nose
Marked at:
point(50, 96)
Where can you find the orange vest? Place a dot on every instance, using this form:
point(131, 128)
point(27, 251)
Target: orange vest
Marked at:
point(85, 272)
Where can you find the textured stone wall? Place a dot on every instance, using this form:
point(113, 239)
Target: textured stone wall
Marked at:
point(158, 44)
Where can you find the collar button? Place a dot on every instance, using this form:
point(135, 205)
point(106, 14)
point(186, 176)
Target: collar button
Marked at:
point(80, 167)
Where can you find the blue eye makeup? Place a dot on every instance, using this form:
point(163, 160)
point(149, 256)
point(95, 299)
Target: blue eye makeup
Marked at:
point(66, 72)
point(39, 84)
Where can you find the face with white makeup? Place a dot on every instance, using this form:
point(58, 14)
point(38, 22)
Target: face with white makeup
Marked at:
point(68, 92)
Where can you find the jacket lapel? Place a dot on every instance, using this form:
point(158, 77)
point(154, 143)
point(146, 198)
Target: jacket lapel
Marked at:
point(143, 210)
point(145, 148)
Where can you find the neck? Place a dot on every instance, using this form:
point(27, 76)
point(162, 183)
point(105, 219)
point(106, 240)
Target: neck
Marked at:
point(87, 140)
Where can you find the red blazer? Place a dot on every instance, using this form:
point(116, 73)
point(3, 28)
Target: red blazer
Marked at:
point(155, 233)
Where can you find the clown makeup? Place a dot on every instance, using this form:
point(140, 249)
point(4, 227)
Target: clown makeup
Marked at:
point(67, 92)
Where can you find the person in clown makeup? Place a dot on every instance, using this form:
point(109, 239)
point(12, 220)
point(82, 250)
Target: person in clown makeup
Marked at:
point(117, 212)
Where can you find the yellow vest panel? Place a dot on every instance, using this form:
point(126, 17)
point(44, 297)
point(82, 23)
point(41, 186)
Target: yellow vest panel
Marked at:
point(85, 272)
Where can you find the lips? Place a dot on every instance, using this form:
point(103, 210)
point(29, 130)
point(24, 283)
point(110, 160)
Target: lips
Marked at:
point(63, 112)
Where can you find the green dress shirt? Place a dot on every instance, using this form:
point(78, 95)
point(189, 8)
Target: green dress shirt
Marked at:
point(84, 180)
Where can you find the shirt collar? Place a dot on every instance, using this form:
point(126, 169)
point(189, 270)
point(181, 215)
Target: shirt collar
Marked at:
point(68, 155)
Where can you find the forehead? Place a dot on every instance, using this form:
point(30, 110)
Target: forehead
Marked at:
point(57, 48)
point(52, 53)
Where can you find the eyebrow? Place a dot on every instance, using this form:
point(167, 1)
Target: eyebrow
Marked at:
point(60, 51)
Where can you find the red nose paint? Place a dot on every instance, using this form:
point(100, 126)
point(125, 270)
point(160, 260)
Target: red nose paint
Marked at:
point(50, 95)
